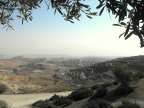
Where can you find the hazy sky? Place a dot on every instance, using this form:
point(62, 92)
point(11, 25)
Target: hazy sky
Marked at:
point(50, 34)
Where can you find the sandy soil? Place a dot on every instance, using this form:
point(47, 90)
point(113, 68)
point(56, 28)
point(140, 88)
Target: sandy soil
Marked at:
point(25, 100)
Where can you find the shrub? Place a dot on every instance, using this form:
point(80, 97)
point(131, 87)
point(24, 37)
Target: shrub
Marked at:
point(54, 97)
point(38, 103)
point(43, 104)
point(139, 75)
point(127, 104)
point(100, 93)
point(121, 90)
point(100, 103)
point(3, 104)
point(81, 93)
point(124, 75)
point(62, 101)
point(3, 88)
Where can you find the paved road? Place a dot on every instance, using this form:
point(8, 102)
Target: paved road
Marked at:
point(25, 100)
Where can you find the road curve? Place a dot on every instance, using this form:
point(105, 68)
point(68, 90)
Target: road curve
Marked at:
point(25, 100)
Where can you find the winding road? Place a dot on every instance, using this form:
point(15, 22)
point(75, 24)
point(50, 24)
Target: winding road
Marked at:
point(26, 100)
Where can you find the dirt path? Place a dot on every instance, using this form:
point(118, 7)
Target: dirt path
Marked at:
point(25, 100)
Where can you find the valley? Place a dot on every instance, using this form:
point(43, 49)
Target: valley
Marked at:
point(37, 75)
point(37, 78)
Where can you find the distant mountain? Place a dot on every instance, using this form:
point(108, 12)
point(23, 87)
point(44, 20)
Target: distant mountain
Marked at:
point(21, 58)
point(5, 56)
point(46, 56)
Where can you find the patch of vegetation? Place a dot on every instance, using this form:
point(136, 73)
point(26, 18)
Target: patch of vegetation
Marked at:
point(139, 75)
point(43, 104)
point(62, 101)
point(80, 94)
point(55, 101)
point(3, 88)
point(127, 104)
point(54, 97)
point(3, 104)
point(123, 90)
point(99, 103)
point(124, 76)
point(100, 93)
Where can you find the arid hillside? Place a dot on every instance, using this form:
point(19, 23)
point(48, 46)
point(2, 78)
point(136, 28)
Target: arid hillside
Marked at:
point(35, 75)
point(39, 75)
point(100, 72)
point(32, 75)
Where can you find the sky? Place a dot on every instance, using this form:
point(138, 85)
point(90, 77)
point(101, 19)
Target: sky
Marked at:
point(51, 34)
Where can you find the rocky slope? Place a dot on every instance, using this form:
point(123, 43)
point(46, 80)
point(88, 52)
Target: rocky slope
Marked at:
point(31, 76)
point(27, 75)
point(99, 72)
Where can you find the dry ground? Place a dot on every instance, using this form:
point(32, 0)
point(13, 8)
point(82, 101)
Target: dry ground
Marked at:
point(34, 81)
point(25, 100)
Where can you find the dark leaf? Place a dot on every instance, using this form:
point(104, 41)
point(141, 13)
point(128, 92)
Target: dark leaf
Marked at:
point(116, 25)
point(101, 11)
point(70, 21)
point(83, 5)
point(128, 35)
point(52, 3)
point(41, 1)
point(88, 9)
point(59, 11)
point(89, 16)
point(22, 21)
point(55, 12)
point(94, 13)
point(86, 6)
point(121, 34)
point(127, 30)
point(19, 16)
point(120, 18)
point(99, 6)
point(122, 23)
point(12, 28)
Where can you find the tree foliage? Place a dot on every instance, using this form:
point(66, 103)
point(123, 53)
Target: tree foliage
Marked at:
point(3, 88)
point(80, 94)
point(100, 93)
point(123, 75)
point(128, 12)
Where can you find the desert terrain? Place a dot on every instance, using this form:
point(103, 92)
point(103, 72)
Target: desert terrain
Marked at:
point(25, 100)
point(30, 79)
